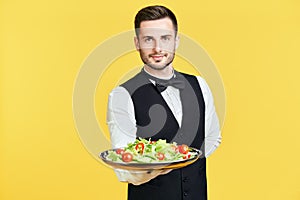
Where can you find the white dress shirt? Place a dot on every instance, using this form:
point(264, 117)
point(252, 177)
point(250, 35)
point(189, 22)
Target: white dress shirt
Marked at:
point(122, 124)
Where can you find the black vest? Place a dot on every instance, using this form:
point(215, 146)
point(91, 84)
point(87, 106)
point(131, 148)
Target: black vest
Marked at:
point(155, 119)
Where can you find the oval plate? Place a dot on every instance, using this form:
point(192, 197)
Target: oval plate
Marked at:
point(150, 166)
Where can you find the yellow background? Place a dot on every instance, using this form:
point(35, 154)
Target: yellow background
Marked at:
point(255, 45)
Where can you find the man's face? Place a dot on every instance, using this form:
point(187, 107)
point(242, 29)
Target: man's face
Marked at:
point(156, 43)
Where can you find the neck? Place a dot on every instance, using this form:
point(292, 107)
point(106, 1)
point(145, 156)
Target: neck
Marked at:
point(165, 73)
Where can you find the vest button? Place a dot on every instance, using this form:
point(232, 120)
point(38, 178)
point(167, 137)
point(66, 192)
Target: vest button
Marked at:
point(185, 179)
point(185, 194)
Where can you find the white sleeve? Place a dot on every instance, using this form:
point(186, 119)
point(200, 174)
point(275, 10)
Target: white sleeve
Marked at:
point(212, 126)
point(120, 118)
point(121, 123)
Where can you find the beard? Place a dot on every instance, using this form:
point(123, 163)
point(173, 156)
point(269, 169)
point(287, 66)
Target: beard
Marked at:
point(159, 66)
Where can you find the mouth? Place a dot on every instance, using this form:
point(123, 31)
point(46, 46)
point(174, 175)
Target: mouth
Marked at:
point(157, 58)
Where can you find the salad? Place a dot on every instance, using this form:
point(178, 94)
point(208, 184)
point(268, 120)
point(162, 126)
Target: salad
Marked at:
point(147, 151)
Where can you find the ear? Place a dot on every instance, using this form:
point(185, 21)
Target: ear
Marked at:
point(136, 43)
point(177, 40)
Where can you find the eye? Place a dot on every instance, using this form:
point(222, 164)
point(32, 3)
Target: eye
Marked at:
point(149, 39)
point(166, 38)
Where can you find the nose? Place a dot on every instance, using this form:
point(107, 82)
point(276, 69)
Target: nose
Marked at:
point(157, 46)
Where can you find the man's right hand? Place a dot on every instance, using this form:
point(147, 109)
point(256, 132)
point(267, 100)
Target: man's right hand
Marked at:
point(140, 177)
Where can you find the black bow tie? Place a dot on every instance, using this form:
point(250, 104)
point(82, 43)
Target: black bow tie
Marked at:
point(160, 88)
point(176, 81)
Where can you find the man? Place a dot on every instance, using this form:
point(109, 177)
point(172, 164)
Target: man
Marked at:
point(161, 103)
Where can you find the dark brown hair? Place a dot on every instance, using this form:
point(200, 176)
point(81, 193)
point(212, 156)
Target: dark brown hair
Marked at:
point(154, 13)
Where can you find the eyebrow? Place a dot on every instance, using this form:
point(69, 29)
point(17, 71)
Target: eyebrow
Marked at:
point(166, 36)
point(148, 36)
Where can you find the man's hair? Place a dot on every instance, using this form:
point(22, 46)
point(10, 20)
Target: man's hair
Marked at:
point(154, 13)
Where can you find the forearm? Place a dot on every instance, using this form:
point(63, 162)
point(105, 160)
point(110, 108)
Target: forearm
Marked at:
point(212, 133)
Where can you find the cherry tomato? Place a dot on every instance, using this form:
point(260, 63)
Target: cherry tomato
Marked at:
point(127, 157)
point(184, 149)
point(140, 147)
point(120, 151)
point(160, 156)
point(186, 156)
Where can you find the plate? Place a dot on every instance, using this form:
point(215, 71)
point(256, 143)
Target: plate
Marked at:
point(150, 166)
